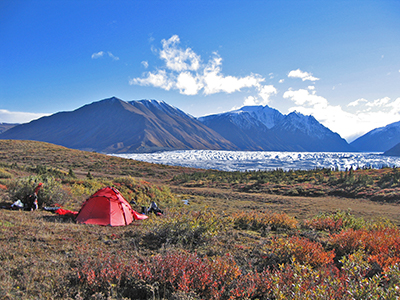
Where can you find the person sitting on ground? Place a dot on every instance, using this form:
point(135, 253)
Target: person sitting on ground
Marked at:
point(154, 208)
point(32, 199)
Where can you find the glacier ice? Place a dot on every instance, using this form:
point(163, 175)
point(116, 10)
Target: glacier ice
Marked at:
point(265, 160)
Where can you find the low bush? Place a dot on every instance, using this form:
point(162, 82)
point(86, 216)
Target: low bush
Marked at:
point(263, 220)
point(381, 246)
point(52, 191)
point(143, 192)
point(187, 228)
point(301, 250)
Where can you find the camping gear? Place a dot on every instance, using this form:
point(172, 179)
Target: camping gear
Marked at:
point(66, 212)
point(17, 205)
point(107, 207)
point(154, 208)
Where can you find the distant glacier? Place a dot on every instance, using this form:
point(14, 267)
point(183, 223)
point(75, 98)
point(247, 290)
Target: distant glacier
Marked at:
point(266, 160)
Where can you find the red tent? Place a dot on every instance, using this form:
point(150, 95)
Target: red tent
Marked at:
point(107, 207)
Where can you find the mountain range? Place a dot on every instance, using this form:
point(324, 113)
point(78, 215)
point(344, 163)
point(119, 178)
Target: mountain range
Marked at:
point(379, 140)
point(6, 126)
point(265, 128)
point(116, 126)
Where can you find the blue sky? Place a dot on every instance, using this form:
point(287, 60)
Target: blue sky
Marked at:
point(336, 60)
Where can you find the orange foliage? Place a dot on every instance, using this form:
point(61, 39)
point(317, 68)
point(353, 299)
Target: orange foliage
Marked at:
point(303, 250)
point(381, 246)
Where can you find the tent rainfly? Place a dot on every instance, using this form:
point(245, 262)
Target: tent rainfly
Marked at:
point(107, 207)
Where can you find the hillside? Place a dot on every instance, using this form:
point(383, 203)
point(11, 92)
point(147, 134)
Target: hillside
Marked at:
point(233, 237)
point(32, 154)
point(303, 193)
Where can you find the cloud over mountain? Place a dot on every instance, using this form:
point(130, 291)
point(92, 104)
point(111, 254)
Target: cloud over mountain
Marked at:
point(185, 71)
point(18, 117)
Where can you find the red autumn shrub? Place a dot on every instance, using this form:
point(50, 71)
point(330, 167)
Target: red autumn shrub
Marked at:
point(382, 246)
point(324, 223)
point(302, 250)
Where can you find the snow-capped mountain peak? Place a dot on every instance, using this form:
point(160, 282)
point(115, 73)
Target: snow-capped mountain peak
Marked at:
point(306, 124)
point(292, 132)
point(379, 139)
point(264, 114)
point(392, 126)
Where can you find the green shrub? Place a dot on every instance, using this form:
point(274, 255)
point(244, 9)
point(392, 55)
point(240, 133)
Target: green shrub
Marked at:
point(261, 220)
point(51, 192)
point(4, 174)
point(144, 192)
point(187, 228)
point(345, 220)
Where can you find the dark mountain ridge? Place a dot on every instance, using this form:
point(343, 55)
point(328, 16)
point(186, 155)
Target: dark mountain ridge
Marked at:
point(116, 126)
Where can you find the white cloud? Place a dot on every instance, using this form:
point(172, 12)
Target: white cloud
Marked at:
point(178, 59)
point(395, 106)
point(187, 84)
point(184, 71)
point(18, 117)
point(302, 75)
point(357, 102)
point(216, 82)
point(112, 56)
point(158, 79)
point(101, 54)
point(265, 92)
point(378, 102)
point(383, 102)
point(263, 97)
point(303, 97)
point(349, 125)
point(145, 64)
point(249, 101)
point(281, 80)
point(97, 55)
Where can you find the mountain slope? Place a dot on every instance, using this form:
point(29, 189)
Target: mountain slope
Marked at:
point(116, 126)
point(5, 126)
point(264, 128)
point(394, 151)
point(243, 130)
point(379, 139)
point(265, 114)
point(305, 133)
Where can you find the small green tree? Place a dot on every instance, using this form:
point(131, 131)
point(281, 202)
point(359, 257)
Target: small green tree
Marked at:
point(71, 173)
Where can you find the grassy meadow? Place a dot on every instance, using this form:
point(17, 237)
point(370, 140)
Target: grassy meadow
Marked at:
point(319, 234)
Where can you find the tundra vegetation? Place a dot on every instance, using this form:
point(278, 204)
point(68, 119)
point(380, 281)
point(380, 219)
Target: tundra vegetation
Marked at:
point(224, 235)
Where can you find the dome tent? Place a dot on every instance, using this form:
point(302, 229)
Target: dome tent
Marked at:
point(107, 207)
